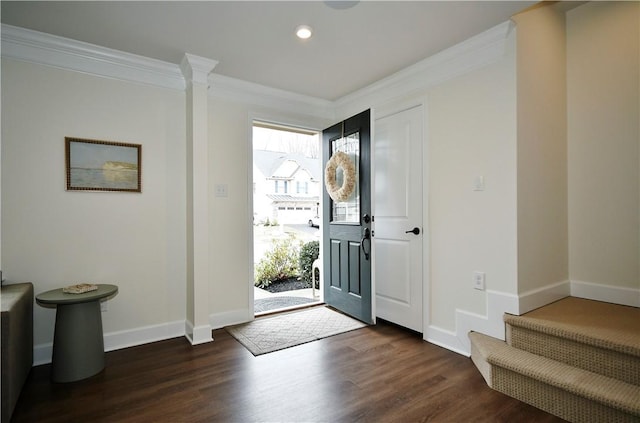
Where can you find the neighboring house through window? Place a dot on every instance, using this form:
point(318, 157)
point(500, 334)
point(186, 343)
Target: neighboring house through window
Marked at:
point(287, 186)
point(302, 187)
point(281, 187)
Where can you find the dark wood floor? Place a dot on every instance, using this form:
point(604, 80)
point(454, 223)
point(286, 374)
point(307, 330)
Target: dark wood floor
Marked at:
point(376, 374)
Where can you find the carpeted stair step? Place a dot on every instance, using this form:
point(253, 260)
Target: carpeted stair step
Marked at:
point(574, 394)
point(595, 336)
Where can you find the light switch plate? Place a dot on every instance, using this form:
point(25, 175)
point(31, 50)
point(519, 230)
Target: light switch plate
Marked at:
point(221, 190)
point(478, 183)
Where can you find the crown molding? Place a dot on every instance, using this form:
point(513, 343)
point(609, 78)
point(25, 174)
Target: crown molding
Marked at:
point(476, 52)
point(45, 49)
point(259, 95)
point(63, 53)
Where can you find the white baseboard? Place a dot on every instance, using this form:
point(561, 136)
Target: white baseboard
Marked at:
point(445, 339)
point(201, 335)
point(197, 335)
point(144, 335)
point(42, 353)
point(537, 298)
point(490, 324)
point(606, 293)
point(499, 303)
point(228, 318)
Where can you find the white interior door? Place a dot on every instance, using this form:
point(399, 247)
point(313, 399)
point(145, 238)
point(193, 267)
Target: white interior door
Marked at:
point(399, 228)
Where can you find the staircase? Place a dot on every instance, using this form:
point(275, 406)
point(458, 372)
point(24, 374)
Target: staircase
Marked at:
point(577, 359)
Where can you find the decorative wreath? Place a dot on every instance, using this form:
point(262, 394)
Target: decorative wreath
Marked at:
point(340, 193)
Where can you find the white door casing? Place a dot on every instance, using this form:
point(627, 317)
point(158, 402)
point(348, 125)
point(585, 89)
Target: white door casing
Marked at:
point(397, 151)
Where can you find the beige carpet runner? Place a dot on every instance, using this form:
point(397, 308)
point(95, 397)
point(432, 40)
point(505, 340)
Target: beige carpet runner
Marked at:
point(270, 334)
point(577, 359)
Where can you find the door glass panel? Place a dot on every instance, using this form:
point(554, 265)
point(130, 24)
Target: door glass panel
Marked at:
point(348, 211)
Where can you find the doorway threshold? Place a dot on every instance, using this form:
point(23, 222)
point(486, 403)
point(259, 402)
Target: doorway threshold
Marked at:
point(285, 309)
point(269, 303)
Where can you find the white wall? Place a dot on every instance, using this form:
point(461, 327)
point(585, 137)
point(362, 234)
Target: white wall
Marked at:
point(55, 238)
point(516, 230)
point(604, 138)
point(542, 149)
point(230, 158)
point(471, 131)
point(471, 108)
point(137, 241)
point(501, 120)
point(231, 216)
point(469, 94)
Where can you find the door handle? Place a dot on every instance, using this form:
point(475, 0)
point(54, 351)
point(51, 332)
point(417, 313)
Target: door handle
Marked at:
point(415, 231)
point(366, 235)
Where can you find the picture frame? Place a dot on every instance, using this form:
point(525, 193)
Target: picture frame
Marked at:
point(94, 165)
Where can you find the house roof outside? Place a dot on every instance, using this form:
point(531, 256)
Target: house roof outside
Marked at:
point(268, 162)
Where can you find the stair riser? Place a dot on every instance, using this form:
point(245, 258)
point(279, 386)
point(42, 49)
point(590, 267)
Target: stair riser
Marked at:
point(554, 400)
point(594, 359)
point(481, 363)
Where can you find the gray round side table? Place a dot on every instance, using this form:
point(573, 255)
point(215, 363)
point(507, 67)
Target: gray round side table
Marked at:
point(78, 345)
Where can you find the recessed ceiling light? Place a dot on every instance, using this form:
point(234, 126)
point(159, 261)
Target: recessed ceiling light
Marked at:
point(303, 32)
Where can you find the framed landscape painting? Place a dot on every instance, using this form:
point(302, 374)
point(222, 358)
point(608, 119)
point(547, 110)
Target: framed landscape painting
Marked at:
point(94, 165)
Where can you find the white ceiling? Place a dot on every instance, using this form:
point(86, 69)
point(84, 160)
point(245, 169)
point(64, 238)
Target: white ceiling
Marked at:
point(254, 40)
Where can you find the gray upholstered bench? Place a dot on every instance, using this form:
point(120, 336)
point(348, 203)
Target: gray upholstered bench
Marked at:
point(17, 342)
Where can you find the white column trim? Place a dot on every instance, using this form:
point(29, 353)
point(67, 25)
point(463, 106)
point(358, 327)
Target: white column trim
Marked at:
point(196, 71)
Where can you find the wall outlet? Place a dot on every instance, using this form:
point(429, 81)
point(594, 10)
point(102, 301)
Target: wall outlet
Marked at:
point(103, 306)
point(478, 281)
point(478, 183)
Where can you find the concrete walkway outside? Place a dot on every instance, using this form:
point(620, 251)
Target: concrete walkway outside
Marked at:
point(259, 293)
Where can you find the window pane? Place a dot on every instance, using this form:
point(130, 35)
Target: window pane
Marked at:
point(348, 211)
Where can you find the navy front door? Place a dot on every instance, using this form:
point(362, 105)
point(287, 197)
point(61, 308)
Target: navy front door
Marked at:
point(347, 216)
